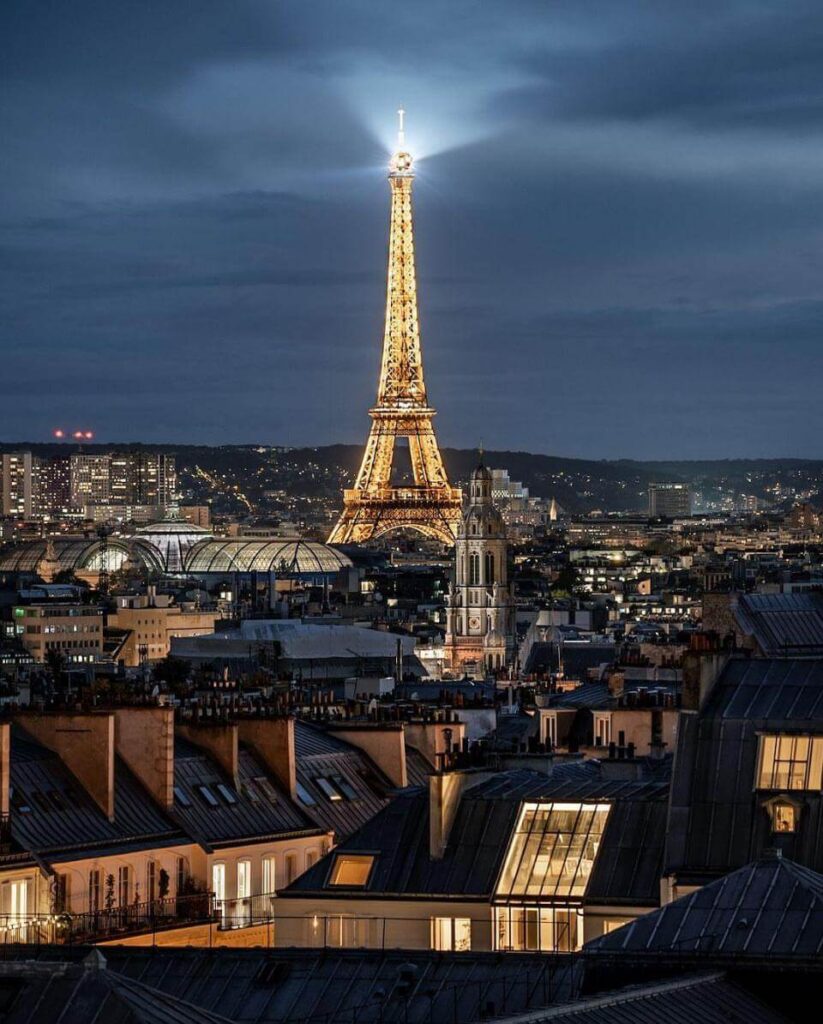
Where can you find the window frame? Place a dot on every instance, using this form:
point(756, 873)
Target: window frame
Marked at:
point(336, 864)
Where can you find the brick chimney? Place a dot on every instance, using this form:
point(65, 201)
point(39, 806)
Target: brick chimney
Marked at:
point(272, 740)
point(144, 738)
point(219, 739)
point(433, 737)
point(85, 744)
point(384, 743)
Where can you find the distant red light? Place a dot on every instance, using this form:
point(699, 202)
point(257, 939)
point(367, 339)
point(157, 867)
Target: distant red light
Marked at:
point(59, 433)
point(79, 435)
point(89, 434)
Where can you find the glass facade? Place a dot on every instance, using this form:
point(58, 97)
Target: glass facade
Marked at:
point(541, 929)
point(553, 850)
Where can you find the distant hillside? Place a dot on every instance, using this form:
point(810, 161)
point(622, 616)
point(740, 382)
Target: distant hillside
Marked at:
point(243, 476)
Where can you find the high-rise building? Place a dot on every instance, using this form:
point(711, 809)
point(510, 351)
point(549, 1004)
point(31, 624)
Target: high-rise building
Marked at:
point(17, 484)
point(479, 608)
point(123, 479)
point(669, 500)
point(53, 487)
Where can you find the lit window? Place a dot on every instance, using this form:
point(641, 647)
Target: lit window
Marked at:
point(328, 789)
point(784, 817)
point(553, 849)
point(452, 934)
point(790, 762)
point(269, 874)
point(602, 730)
point(243, 879)
point(351, 869)
point(547, 929)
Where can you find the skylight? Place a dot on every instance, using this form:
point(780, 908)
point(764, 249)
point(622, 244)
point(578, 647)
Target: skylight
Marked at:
point(328, 789)
point(208, 796)
point(228, 795)
point(351, 869)
point(181, 797)
point(553, 849)
point(304, 796)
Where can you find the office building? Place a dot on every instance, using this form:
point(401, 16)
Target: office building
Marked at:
point(17, 484)
point(669, 500)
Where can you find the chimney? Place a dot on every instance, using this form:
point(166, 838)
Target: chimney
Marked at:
point(272, 740)
point(431, 738)
point(701, 670)
point(219, 740)
point(85, 744)
point(144, 738)
point(385, 744)
point(445, 792)
point(615, 682)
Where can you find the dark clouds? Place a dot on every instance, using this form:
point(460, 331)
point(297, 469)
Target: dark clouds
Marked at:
point(619, 220)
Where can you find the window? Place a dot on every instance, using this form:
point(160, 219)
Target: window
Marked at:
point(546, 929)
point(452, 934)
point(602, 730)
point(218, 881)
point(351, 869)
point(124, 886)
point(226, 793)
point(311, 858)
point(18, 901)
point(553, 849)
point(304, 796)
point(345, 787)
point(243, 879)
point(790, 762)
point(208, 796)
point(94, 890)
point(269, 874)
point(489, 567)
point(151, 881)
point(784, 817)
point(181, 797)
point(550, 725)
point(291, 867)
point(328, 789)
point(474, 569)
point(181, 874)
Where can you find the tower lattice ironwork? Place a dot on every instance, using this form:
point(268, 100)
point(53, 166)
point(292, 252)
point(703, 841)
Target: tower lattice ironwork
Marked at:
point(373, 506)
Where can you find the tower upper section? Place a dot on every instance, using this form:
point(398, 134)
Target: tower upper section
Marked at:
point(401, 376)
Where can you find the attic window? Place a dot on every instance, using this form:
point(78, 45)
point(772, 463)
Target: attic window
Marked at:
point(784, 816)
point(226, 793)
point(790, 762)
point(304, 796)
point(181, 798)
point(328, 789)
point(208, 796)
point(352, 869)
point(345, 787)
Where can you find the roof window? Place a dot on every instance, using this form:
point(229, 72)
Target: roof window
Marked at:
point(351, 869)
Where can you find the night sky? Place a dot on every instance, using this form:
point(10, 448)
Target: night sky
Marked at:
point(619, 215)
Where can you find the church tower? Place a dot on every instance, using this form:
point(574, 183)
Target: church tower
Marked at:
point(480, 634)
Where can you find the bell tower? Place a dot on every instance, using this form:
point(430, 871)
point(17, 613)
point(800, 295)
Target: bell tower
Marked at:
point(430, 505)
point(480, 631)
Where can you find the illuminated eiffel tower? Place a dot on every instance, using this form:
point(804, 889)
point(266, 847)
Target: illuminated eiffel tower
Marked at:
point(373, 506)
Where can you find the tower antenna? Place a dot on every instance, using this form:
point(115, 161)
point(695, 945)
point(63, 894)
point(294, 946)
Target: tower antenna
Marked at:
point(401, 134)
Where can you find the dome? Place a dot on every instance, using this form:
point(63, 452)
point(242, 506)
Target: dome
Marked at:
point(172, 539)
point(281, 555)
point(77, 554)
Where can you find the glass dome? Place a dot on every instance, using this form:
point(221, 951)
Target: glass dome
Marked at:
point(77, 554)
point(295, 557)
point(172, 539)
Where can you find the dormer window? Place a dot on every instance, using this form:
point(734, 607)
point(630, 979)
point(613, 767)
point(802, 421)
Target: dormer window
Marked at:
point(351, 869)
point(789, 762)
point(784, 817)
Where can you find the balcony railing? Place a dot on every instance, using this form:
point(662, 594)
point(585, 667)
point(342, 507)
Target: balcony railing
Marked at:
point(107, 923)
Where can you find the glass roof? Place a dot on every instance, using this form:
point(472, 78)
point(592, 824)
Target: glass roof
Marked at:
point(76, 554)
point(279, 555)
point(553, 850)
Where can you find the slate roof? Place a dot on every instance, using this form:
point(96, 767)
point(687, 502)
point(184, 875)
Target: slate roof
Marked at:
point(259, 808)
point(577, 658)
point(717, 819)
point(709, 999)
point(787, 625)
point(627, 869)
point(61, 815)
point(321, 754)
point(587, 695)
point(771, 908)
point(47, 993)
point(350, 986)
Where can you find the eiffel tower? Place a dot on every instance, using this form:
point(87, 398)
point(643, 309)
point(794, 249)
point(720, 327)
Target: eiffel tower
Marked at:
point(373, 506)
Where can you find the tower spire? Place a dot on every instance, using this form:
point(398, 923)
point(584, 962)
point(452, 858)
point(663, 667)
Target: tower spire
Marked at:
point(373, 506)
point(401, 134)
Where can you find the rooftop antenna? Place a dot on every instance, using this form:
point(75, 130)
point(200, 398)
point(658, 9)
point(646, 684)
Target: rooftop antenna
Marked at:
point(401, 134)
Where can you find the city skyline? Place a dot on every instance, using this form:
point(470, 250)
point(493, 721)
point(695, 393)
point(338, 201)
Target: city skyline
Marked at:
point(616, 224)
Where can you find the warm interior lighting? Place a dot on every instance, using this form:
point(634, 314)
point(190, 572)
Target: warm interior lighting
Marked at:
point(351, 869)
